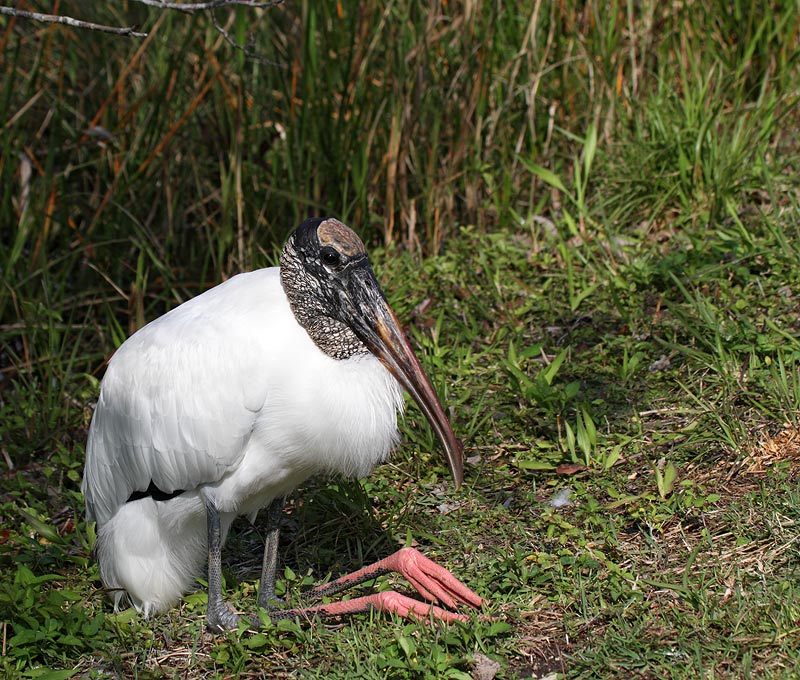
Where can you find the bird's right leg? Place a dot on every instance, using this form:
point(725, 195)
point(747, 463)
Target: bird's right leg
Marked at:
point(219, 615)
point(266, 592)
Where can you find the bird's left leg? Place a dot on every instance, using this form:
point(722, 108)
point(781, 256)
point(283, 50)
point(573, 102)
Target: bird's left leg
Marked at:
point(266, 592)
point(219, 615)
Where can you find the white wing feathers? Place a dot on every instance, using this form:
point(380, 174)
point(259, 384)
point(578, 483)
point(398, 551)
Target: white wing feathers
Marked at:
point(181, 396)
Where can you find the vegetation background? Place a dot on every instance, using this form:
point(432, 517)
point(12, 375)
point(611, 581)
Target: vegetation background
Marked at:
point(587, 214)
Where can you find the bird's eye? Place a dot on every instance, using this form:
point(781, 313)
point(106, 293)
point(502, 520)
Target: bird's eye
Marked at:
point(330, 257)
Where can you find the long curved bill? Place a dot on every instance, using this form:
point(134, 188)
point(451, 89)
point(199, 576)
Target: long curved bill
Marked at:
point(385, 338)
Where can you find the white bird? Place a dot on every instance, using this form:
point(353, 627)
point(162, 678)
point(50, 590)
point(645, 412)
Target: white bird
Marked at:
point(225, 404)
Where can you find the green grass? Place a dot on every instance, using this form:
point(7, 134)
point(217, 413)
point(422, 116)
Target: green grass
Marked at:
point(587, 216)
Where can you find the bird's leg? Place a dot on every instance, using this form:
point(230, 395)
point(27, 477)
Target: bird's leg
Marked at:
point(266, 592)
point(219, 615)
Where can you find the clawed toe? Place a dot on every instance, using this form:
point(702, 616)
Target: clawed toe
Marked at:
point(222, 618)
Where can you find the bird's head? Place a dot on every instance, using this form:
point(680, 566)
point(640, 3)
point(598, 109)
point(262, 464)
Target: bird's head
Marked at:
point(333, 293)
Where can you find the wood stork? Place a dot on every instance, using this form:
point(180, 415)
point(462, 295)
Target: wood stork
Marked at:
point(226, 403)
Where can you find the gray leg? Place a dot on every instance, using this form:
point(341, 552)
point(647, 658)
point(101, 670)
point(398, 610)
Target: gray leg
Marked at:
point(269, 568)
point(219, 614)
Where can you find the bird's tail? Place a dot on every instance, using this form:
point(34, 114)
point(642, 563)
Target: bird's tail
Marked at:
point(151, 551)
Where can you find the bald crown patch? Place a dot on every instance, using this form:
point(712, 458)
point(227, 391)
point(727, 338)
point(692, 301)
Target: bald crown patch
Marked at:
point(336, 235)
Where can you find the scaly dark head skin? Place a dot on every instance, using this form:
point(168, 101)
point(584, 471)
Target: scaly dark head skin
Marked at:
point(333, 293)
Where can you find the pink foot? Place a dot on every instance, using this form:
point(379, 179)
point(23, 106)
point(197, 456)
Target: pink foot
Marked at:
point(433, 582)
point(388, 601)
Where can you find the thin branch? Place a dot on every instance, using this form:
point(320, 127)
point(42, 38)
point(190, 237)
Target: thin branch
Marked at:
point(187, 7)
point(247, 49)
point(69, 21)
point(192, 7)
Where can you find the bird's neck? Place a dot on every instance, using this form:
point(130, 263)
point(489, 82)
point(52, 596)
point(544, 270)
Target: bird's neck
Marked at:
point(332, 336)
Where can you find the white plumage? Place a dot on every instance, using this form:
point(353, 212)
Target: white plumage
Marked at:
point(229, 392)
